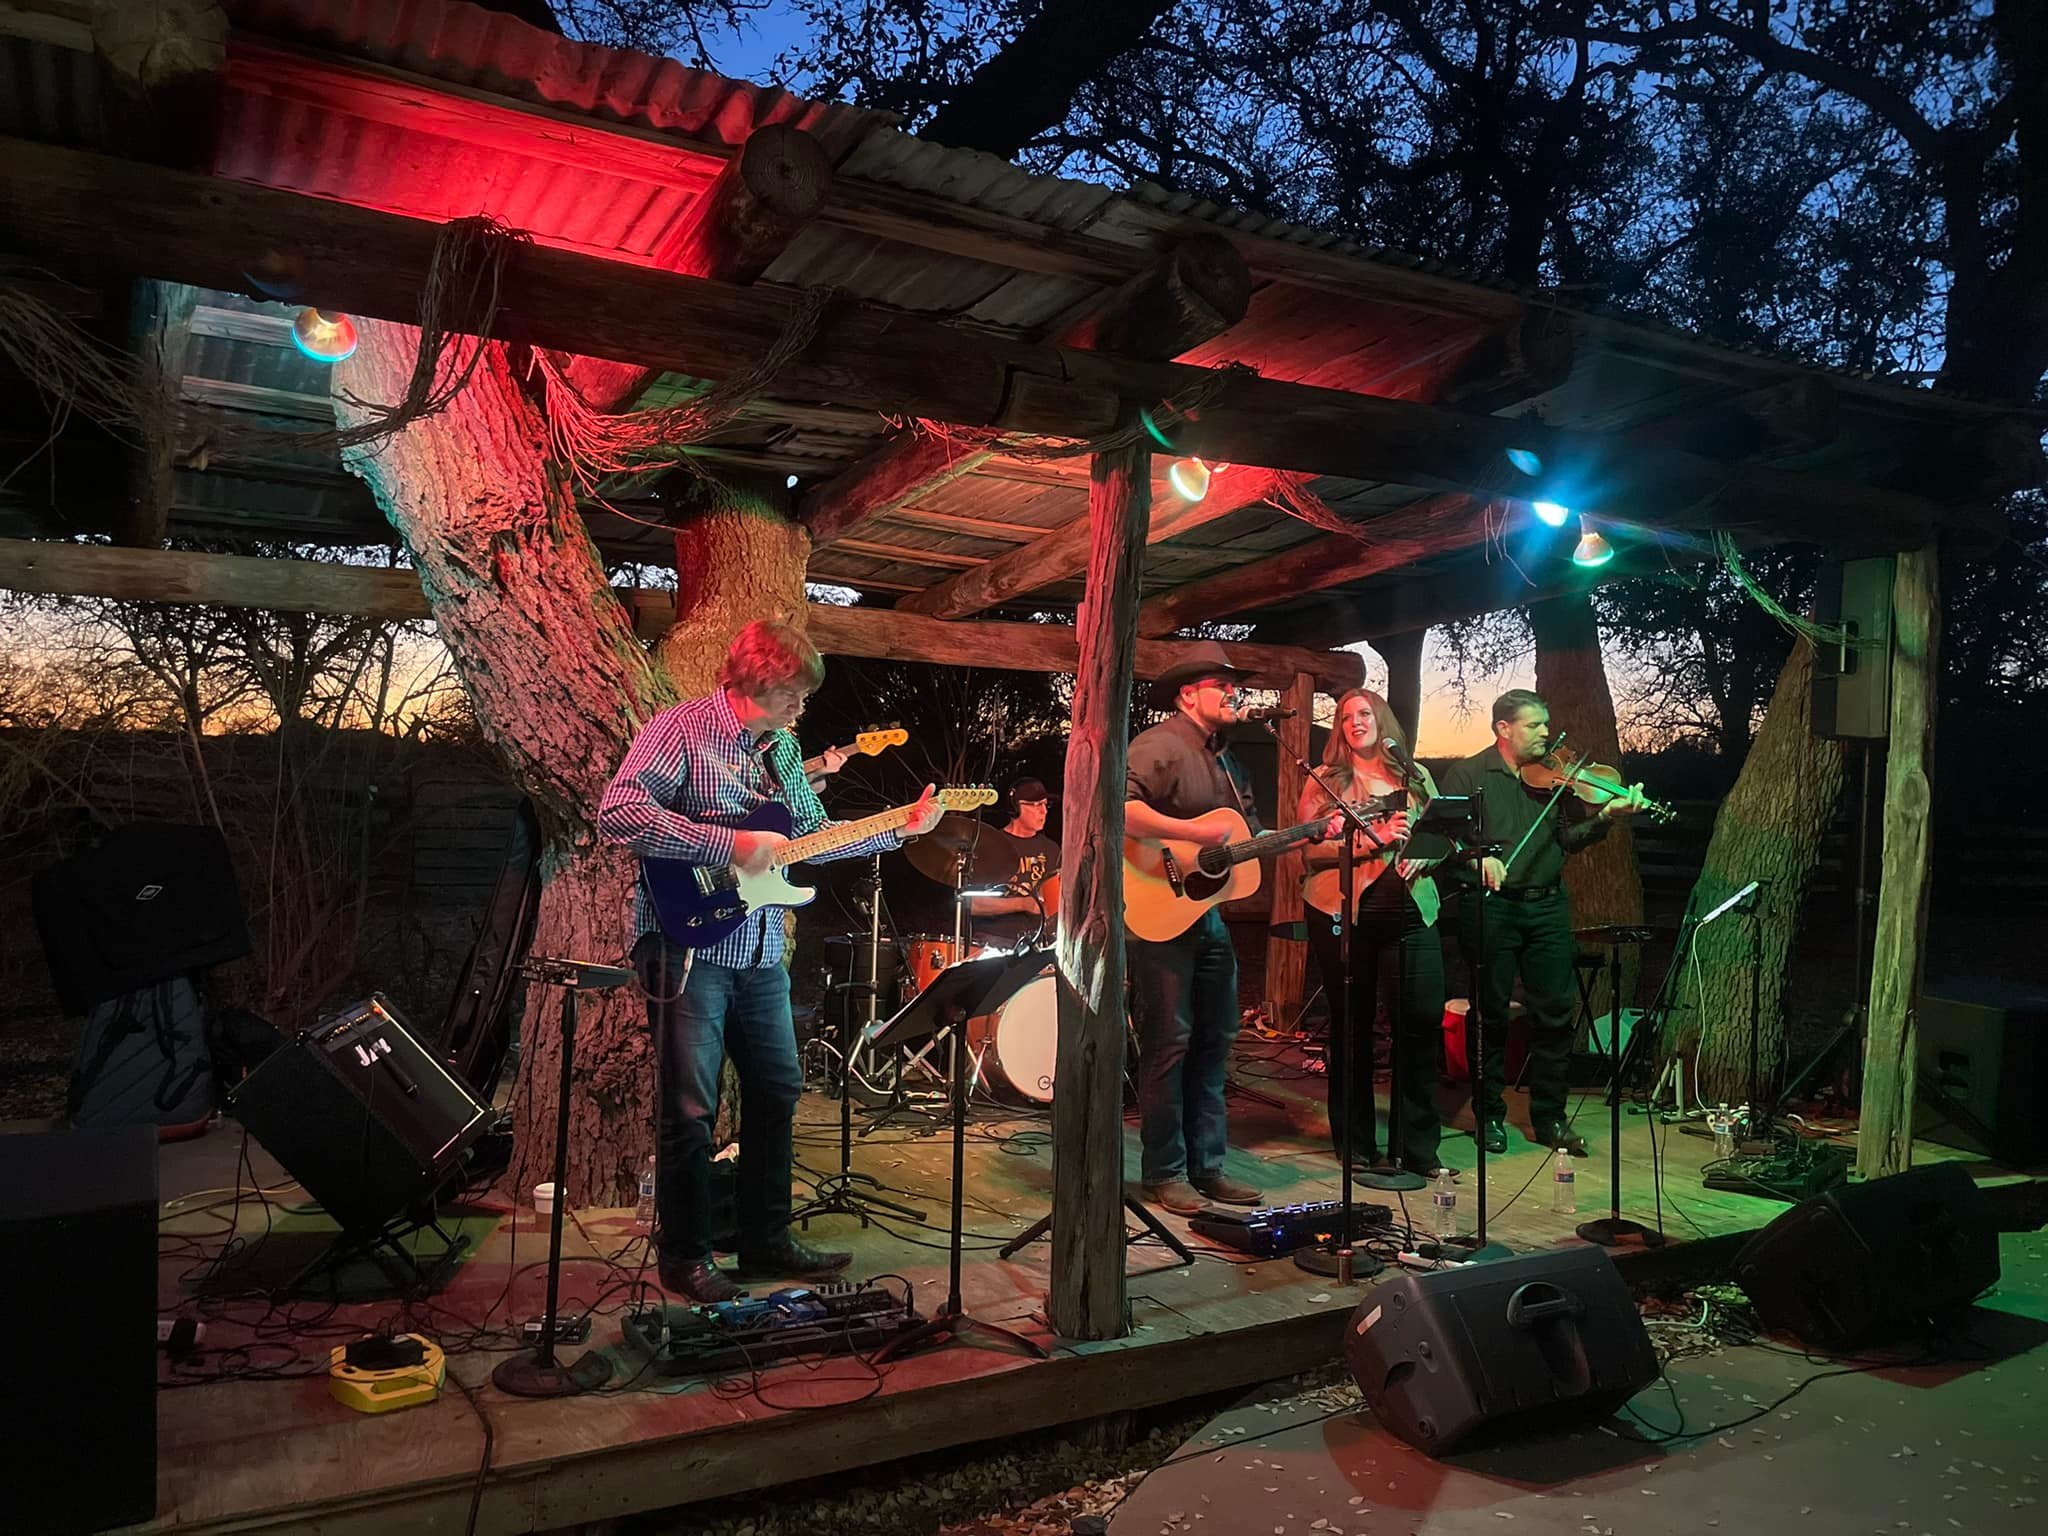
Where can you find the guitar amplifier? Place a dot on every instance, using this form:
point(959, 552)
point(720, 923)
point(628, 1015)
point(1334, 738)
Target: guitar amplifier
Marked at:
point(361, 1114)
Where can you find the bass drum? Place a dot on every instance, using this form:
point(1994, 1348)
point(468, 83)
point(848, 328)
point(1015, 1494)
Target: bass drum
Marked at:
point(1016, 1046)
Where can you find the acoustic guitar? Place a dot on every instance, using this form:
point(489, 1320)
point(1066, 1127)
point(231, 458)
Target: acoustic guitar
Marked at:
point(699, 904)
point(1170, 882)
point(1323, 888)
point(864, 744)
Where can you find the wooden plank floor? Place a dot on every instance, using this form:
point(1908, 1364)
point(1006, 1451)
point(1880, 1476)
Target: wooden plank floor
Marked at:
point(280, 1453)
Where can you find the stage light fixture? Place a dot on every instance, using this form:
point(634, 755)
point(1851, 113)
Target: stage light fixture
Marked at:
point(1526, 460)
point(1592, 550)
point(1189, 479)
point(325, 335)
point(791, 482)
point(1552, 514)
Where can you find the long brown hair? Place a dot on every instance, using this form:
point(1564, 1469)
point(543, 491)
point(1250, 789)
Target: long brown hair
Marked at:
point(1337, 752)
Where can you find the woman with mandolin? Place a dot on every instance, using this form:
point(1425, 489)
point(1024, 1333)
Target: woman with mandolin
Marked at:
point(1394, 906)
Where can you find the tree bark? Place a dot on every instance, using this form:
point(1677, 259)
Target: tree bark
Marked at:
point(738, 558)
point(1403, 655)
point(1602, 881)
point(1884, 1144)
point(1770, 828)
point(548, 658)
point(1287, 951)
point(1088, 1299)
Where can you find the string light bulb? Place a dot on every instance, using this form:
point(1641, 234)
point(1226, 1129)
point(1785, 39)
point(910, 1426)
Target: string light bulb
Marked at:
point(1527, 460)
point(1189, 479)
point(325, 335)
point(1592, 550)
point(1552, 514)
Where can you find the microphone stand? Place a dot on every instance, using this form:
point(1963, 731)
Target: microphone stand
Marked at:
point(1337, 1259)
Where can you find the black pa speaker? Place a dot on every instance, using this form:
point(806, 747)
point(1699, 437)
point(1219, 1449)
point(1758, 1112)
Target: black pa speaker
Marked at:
point(358, 1112)
point(153, 900)
point(1984, 1067)
point(1852, 683)
point(1867, 1260)
point(78, 1226)
point(1462, 1356)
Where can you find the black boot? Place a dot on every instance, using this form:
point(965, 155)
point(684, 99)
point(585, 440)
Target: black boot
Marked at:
point(701, 1280)
point(789, 1257)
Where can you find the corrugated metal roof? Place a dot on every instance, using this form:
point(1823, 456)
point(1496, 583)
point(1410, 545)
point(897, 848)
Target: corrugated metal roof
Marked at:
point(467, 45)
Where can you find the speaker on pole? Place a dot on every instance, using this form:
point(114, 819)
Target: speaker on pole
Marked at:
point(1483, 1352)
point(1852, 682)
point(1867, 1260)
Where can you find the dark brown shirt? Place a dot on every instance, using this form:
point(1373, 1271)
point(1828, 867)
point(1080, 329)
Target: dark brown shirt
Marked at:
point(1178, 771)
point(1511, 808)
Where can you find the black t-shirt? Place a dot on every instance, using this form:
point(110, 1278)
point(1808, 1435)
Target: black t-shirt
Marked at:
point(1037, 857)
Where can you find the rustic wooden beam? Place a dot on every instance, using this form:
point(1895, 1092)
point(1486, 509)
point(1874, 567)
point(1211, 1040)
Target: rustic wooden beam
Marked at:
point(1196, 291)
point(92, 209)
point(1064, 551)
point(1884, 1144)
point(892, 635)
point(761, 200)
point(1286, 944)
point(1402, 537)
point(1529, 355)
point(1086, 1299)
point(162, 331)
point(188, 576)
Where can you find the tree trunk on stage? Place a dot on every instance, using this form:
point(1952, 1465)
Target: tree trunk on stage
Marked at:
point(1403, 655)
point(1884, 1144)
point(560, 684)
point(738, 558)
point(1770, 828)
point(1088, 1298)
point(1602, 881)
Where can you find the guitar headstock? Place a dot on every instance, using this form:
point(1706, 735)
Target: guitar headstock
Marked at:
point(966, 798)
point(870, 743)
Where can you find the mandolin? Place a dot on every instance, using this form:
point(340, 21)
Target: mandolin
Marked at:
point(865, 744)
point(699, 904)
point(1170, 882)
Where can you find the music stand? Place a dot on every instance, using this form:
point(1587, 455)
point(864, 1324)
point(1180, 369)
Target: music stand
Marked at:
point(536, 1372)
point(1615, 1230)
point(952, 998)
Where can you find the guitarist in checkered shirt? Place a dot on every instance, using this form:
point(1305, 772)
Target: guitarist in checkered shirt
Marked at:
point(692, 774)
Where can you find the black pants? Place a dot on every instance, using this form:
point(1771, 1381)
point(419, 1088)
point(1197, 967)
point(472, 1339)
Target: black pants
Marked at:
point(1393, 943)
point(1532, 940)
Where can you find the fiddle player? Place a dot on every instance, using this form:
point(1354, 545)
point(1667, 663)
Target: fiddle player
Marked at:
point(1527, 924)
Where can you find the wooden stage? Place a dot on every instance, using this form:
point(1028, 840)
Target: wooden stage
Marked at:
point(271, 1450)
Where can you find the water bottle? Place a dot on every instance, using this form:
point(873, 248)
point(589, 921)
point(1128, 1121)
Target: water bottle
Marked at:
point(1722, 1124)
point(1564, 1183)
point(643, 1212)
point(1443, 1206)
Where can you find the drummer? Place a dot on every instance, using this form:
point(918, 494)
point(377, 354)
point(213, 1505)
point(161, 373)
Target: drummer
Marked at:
point(1013, 918)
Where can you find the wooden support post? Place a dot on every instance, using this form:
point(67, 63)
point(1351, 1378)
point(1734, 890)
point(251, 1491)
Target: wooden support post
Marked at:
point(160, 69)
point(163, 333)
point(1403, 655)
point(1885, 1142)
point(1087, 1299)
point(1286, 947)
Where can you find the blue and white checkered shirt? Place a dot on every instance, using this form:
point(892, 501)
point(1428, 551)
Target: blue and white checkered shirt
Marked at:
point(692, 775)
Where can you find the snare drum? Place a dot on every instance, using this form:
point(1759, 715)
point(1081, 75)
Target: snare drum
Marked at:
point(1018, 1043)
point(931, 953)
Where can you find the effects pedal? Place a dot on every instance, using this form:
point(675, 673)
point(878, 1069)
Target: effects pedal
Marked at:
point(568, 1330)
point(838, 1317)
point(1274, 1230)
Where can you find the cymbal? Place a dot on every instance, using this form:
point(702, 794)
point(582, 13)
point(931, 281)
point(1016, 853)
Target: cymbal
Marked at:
point(992, 858)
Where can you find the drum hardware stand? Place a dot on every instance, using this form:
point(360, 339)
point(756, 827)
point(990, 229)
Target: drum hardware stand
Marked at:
point(536, 1372)
point(945, 1006)
point(1614, 1230)
point(846, 1192)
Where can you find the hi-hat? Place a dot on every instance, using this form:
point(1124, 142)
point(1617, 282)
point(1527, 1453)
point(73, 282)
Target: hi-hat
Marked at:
point(991, 857)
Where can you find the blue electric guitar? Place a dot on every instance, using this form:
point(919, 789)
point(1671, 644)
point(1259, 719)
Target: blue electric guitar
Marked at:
point(699, 904)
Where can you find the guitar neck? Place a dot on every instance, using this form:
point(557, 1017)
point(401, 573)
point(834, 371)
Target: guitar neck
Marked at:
point(844, 835)
point(814, 766)
point(1269, 842)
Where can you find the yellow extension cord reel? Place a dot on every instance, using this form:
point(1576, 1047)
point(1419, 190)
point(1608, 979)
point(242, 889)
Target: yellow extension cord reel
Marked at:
point(381, 1375)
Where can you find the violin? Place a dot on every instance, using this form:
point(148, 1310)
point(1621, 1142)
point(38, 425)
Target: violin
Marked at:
point(1594, 783)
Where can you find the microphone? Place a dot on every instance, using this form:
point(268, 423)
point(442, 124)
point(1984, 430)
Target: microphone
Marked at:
point(1267, 712)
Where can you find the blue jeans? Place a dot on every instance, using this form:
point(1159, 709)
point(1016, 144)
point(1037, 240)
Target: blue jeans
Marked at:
point(1184, 996)
point(721, 1011)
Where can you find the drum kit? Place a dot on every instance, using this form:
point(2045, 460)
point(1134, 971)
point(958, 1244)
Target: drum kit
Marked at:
point(1013, 1041)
